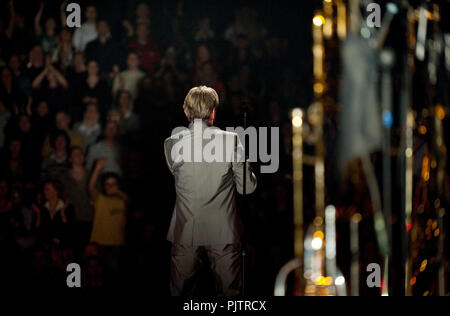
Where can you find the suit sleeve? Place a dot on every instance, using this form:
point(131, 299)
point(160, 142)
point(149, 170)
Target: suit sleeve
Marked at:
point(238, 170)
point(167, 151)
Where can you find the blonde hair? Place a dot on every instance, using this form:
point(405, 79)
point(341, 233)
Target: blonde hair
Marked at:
point(199, 102)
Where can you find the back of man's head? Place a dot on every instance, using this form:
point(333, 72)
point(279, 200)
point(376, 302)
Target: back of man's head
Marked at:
point(200, 102)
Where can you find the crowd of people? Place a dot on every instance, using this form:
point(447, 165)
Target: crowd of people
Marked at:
point(83, 115)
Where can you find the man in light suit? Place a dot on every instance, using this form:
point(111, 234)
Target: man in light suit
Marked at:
point(207, 164)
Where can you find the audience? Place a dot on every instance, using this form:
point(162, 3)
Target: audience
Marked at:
point(83, 115)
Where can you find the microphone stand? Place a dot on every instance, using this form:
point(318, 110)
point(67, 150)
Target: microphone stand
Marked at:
point(244, 199)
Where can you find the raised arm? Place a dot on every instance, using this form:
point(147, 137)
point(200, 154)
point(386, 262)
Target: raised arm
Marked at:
point(60, 78)
point(36, 84)
point(12, 15)
point(37, 20)
point(94, 177)
point(62, 13)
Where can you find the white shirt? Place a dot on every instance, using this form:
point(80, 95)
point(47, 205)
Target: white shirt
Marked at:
point(83, 35)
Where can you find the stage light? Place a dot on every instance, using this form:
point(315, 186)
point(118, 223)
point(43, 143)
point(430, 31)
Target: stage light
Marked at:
point(339, 280)
point(440, 112)
point(297, 117)
point(318, 234)
point(316, 243)
point(423, 266)
point(392, 8)
point(422, 129)
point(318, 20)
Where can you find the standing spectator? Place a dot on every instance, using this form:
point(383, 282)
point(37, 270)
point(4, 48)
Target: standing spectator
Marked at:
point(95, 89)
point(56, 164)
point(18, 35)
point(129, 78)
point(5, 211)
point(208, 77)
point(23, 221)
point(52, 86)
point(142, 16)
point(110, 207)
point(12, 165)
point(64, 52)
point(88, 30)
point(10, 93)
point(62, 120)
point(76, 76)
point(107, 148)
point(89, 129)
point(36, 62)
point(23, 83)
point(149, 55)
point(129, 121)
point(203, 31)
point(54, 218)
point(104, 50)
point(75, 182)
point(5, 115)
point(47, 38)
point(41, 122)
point(29, 148)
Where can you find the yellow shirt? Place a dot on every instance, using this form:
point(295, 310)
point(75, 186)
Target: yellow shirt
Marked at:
point(109, 221)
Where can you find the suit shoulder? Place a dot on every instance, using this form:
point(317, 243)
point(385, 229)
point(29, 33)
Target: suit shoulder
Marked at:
point(176, 134)
point(225, 133)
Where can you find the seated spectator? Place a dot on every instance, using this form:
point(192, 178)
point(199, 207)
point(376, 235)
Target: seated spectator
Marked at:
point(107, 148)
point(56, 164)
point(88, 30)
point(89, 129)
point(129, 78)
point(110, 206)
point(94, 89)
point(62, 120)
point(75, 182)
point(104, 50)
point(149, 55)
point(54, 218)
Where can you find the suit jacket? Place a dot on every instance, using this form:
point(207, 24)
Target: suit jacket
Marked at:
point(205, 210)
